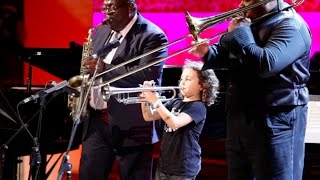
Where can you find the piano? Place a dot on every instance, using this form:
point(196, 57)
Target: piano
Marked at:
point(54, 127)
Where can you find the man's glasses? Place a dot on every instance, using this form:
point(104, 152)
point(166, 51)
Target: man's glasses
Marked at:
point(111, 8)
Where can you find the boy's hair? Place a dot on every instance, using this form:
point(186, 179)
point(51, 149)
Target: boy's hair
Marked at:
point(207, 79)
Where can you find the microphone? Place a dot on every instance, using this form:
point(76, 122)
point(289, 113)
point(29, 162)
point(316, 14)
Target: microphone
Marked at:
point(45, 92)
point(106, 49)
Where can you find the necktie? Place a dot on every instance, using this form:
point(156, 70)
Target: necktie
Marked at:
point(114, 36)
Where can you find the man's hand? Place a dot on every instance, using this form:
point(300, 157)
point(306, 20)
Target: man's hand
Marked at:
point(91, 64)
point(237, 22)
point(200, 50)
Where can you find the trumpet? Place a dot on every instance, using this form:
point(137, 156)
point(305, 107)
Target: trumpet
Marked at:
point(124, 93)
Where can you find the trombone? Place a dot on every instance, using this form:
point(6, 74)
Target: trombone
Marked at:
point(196, 26)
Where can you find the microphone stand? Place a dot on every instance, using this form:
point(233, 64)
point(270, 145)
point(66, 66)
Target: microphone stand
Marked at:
point(36, 170)
point(65, 165)
point(35, 157)
point(35, 160)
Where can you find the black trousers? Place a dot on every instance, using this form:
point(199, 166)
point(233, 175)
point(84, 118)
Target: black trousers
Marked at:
point(98, 156)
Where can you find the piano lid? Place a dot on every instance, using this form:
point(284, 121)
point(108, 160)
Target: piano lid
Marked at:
point(61, 62)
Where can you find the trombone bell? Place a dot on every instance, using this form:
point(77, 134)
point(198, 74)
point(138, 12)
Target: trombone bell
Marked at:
point(197, 25)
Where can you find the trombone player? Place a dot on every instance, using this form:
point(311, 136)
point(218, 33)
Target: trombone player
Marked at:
point(266, 51)
point(120, 132)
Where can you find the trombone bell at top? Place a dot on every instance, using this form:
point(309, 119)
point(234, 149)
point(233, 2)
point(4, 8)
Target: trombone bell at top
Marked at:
point(197, 25)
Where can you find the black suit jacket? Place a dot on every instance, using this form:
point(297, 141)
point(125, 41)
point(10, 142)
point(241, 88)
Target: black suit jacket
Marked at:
point(126, 122)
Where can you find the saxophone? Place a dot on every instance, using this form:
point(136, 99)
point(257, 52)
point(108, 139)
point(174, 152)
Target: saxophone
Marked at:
point(81, 82)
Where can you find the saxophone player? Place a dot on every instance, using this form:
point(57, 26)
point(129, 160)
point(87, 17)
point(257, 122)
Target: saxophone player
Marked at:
point(120, 132)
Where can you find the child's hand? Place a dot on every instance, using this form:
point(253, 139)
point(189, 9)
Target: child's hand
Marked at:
point(148, 95)
point(149, 83)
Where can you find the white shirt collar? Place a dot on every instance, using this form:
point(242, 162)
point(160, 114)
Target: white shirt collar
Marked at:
point(125, 30)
